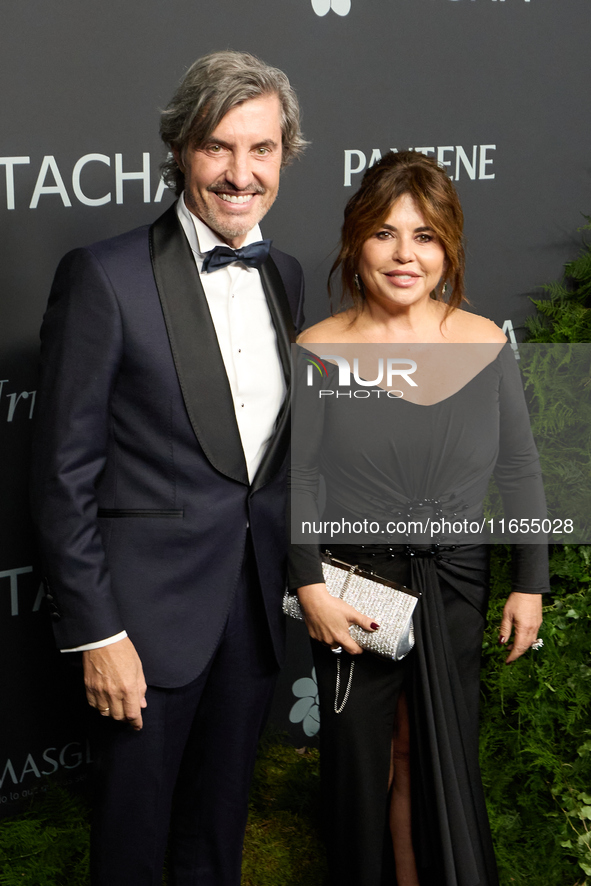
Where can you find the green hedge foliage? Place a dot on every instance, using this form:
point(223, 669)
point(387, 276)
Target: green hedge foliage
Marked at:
point(536, 713)
point(564, 316)
point(536, 732)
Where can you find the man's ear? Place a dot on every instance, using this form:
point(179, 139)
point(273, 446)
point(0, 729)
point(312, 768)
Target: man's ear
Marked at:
point(178, 159)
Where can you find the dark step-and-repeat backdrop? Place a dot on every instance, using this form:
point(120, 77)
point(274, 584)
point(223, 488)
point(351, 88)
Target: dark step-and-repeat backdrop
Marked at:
point(497, 90)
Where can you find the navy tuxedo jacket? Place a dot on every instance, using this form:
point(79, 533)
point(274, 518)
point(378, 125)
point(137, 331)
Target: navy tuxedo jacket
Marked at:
point(139, 487)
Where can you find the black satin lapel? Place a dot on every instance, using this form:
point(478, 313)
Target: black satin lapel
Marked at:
point(193, 341)
point(284, 328)
point(280, 312)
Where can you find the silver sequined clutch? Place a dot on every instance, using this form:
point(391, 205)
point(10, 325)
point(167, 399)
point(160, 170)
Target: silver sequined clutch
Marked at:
point(390, 604)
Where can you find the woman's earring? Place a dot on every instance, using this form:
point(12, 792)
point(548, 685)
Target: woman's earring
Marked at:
point(444, 289)
point(357, 281)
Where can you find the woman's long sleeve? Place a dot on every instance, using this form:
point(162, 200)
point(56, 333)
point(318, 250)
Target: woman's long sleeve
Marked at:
point(519, 478)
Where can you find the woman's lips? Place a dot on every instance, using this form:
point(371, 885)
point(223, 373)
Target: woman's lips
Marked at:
point(403, 280)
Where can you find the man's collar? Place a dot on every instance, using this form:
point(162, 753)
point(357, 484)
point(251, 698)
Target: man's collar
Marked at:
point(201, 238)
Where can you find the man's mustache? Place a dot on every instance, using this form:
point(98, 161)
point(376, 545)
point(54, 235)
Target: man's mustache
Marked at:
point(227, 188)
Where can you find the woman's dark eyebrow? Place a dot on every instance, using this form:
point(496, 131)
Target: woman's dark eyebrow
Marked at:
point(418, 230)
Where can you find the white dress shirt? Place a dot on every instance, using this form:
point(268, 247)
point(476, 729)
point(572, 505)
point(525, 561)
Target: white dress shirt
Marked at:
point(248, 344)
point(246, 337)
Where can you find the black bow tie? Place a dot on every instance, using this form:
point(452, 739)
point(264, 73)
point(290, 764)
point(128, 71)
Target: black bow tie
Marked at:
point(253, 255)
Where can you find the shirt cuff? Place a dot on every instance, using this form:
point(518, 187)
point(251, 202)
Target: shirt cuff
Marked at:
point(99, 644)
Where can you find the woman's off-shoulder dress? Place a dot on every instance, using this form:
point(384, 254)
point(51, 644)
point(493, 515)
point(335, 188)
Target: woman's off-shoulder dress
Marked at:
point(387, 458)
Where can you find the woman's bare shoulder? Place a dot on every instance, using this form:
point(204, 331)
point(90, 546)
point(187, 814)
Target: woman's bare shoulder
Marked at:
point(466, 327)
point(333, 329)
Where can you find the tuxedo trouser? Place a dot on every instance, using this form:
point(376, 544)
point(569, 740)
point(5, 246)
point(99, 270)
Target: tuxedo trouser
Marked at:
point(189, 768)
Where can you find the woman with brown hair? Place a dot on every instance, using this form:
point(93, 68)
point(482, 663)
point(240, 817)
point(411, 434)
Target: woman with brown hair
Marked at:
point(403, 799)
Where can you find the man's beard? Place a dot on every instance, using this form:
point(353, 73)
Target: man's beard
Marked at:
point(226, 227)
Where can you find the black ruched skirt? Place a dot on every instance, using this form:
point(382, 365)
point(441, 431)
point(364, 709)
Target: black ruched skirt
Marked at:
point(440, 677)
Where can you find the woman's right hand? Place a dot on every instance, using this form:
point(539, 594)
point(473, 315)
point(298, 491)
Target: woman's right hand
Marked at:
point(328, 619)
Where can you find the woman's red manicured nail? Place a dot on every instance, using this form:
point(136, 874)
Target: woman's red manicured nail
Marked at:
point(374, 626)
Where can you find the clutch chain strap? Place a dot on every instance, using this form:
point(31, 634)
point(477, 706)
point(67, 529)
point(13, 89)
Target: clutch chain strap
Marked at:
point(339, 708)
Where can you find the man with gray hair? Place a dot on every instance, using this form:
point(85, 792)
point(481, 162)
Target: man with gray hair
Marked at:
point(159, 480)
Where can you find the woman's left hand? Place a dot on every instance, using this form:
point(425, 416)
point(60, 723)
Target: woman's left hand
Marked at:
point(522, 612)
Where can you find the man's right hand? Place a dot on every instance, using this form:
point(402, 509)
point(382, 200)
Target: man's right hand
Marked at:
point(114, 680)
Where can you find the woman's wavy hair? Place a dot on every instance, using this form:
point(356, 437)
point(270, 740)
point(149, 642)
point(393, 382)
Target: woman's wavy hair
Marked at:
point(396, 174)
point(214, 85)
